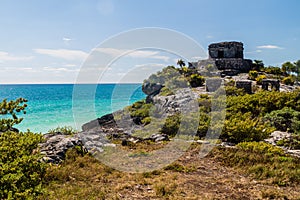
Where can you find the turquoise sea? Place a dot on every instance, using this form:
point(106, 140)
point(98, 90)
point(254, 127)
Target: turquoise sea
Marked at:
point(53, 105)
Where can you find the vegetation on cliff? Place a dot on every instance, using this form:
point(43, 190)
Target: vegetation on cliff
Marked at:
point(249, 119)
point(21, 172)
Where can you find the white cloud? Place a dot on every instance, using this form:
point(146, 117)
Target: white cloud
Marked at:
point(151, 65)
point(269, 47)
point(66, 39)
point(63, 53)
point(133, 54)
point(59, 69)
point(19, 69)
point(70, 65)
point(4, 56)
point(209, 36)
point(253, 52)
point(196, 58)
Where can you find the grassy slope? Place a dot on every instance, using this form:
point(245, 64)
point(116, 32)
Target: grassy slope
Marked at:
point(190, 177)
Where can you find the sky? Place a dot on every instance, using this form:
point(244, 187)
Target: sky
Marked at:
point(49, 41)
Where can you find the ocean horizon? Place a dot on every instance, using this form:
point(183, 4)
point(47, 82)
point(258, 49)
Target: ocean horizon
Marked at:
point(56, 105)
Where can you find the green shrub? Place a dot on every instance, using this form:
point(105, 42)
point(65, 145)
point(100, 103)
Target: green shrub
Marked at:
point(10, 109)
point(140, 109)
point(165, 92)
point(273, 70)
point(259, 79)
point(169, 77)
point(263, 161)
point(245, 114)
point(263, 102)
point(286, 119)
point(290, 80)
point(231, 82)
point(242, 127)
point(261, 148)
point(253, 74)
point(211, 68)
point(146, 120)
point(196, 80)
point(234, 91)
point(21, 172)
point(66, 130)
point(171, 125)
point(291, 143)
point(204, 122)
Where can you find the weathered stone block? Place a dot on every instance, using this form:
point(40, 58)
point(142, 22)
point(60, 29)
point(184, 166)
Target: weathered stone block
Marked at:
point(246, 85)
point(213, 84)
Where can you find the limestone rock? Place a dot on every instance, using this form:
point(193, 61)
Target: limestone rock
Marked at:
point(276, 136)
point(151, 88)
point(56, 145)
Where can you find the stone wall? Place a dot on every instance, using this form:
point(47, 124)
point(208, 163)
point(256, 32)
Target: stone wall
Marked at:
point(213, 84)
point(274, 83)
point(246, 85)
point(226, 50)
point(227, 57)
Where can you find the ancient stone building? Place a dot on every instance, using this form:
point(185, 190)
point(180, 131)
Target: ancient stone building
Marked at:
point(227, 57)
point(226, 50)
point(274, 83)
point(244, 84)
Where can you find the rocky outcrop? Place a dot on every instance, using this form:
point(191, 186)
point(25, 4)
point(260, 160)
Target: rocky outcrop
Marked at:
point(181, 101)
point(151, 89)
point(55, 146)
point(279, 135)
point(105, 120)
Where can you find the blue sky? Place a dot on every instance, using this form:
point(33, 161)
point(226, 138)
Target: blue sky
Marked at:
point(47, 41)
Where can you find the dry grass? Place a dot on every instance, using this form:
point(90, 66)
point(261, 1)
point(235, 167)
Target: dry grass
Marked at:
point(190, 177)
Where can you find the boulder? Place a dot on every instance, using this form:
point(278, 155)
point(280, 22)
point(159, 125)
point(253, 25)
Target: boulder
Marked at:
point(151, 88)
point(158, 137)
point(55, 146)
point(276, 136)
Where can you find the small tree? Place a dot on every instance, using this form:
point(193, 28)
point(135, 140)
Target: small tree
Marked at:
point(21, 172)
point(11, 108)
point(181, 63)
point(288, 67)
point(258, 65)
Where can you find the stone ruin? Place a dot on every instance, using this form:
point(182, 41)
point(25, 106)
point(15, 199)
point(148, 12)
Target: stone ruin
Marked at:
point(213, 84)
point(227, 57)
point(274, 83)
point(244, 84)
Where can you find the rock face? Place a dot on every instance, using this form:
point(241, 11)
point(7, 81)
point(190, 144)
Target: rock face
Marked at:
point(151, 88)
point(56, 145)
point(182, 100)
point(276, 136)
point(105, 120)
point(213, 84)
point(279, 135)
